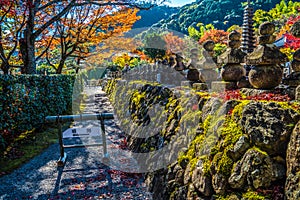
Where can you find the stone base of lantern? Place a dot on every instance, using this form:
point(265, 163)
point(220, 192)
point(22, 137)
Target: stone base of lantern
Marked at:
point(200, 87)
point(221, 86)
point(209, 74)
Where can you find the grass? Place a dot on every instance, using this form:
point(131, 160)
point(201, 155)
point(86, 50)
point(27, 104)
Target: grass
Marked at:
point(27, 146)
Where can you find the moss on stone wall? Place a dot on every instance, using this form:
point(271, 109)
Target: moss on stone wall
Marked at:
point(215, 128)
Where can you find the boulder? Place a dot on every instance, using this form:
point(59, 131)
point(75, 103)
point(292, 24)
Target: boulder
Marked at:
point(240, 148)
point(157, 184)
point(187, 177)
point(268, 126)
point(201, 181)
point(297, 93)
point(227, 107)
point(232, 72)
point(179, 194)
point(219, 183)
point(296, 55)
point(179, 176)
point(266, 28)
point(265, 76)
point(256, 169)
point(211, 107)
point(295, 64)
point(292, 186)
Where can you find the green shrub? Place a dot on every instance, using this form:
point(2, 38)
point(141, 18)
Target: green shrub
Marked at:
point(27, 99)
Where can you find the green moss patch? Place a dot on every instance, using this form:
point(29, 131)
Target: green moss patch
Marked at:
point(28, 145)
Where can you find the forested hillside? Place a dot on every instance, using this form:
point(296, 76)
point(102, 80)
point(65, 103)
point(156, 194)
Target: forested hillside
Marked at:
point(221, 13)
point(154, 15)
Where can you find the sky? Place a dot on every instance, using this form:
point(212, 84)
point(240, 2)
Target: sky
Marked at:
point(180, 2)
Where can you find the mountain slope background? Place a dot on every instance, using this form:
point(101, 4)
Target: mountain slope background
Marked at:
point(221, 13)
point(154, 15)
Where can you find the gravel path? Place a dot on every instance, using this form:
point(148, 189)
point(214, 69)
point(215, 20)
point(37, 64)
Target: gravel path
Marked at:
point(84, 176)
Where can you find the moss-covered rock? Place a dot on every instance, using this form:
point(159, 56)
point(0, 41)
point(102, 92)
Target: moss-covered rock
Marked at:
point(268, 125)
point(232, 149)
point(202, 180)
point(292, 186)
point(256, 169)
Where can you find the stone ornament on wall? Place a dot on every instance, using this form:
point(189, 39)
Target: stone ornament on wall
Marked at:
point(266, 59)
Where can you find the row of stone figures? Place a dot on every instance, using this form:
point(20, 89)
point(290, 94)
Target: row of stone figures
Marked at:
point(265, 65)
point(266, 60)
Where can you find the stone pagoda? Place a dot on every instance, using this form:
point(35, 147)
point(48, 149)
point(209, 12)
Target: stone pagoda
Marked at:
point(248, 40)
point(266, 72)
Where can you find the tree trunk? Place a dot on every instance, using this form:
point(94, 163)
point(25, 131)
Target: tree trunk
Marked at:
point(61, 65)
point(31, 64)
point(28, 48)
point(4, 68)
point(23, 50)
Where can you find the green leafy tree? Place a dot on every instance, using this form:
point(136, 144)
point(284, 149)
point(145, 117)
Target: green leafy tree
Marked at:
point(222, 14)
point(234, 28)
point(278, 15)
point(197, 34)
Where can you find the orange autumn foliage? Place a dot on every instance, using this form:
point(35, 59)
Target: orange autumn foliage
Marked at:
point(218, 36)
point(114, 46)
point(174, 43)
point(82, 31)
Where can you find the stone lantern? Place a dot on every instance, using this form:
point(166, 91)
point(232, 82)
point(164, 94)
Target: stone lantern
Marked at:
point(266, 59)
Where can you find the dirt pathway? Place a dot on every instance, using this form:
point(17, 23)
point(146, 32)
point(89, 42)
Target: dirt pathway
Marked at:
point(84, 176)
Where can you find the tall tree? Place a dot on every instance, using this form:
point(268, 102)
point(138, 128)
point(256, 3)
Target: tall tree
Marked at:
point(84, 28)
point(10, 29)
point(41, 15)
point(174, 43)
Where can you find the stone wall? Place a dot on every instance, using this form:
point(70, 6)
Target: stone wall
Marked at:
point(224, 149)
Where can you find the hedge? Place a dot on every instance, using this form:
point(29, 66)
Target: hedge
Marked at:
point(27, 99)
